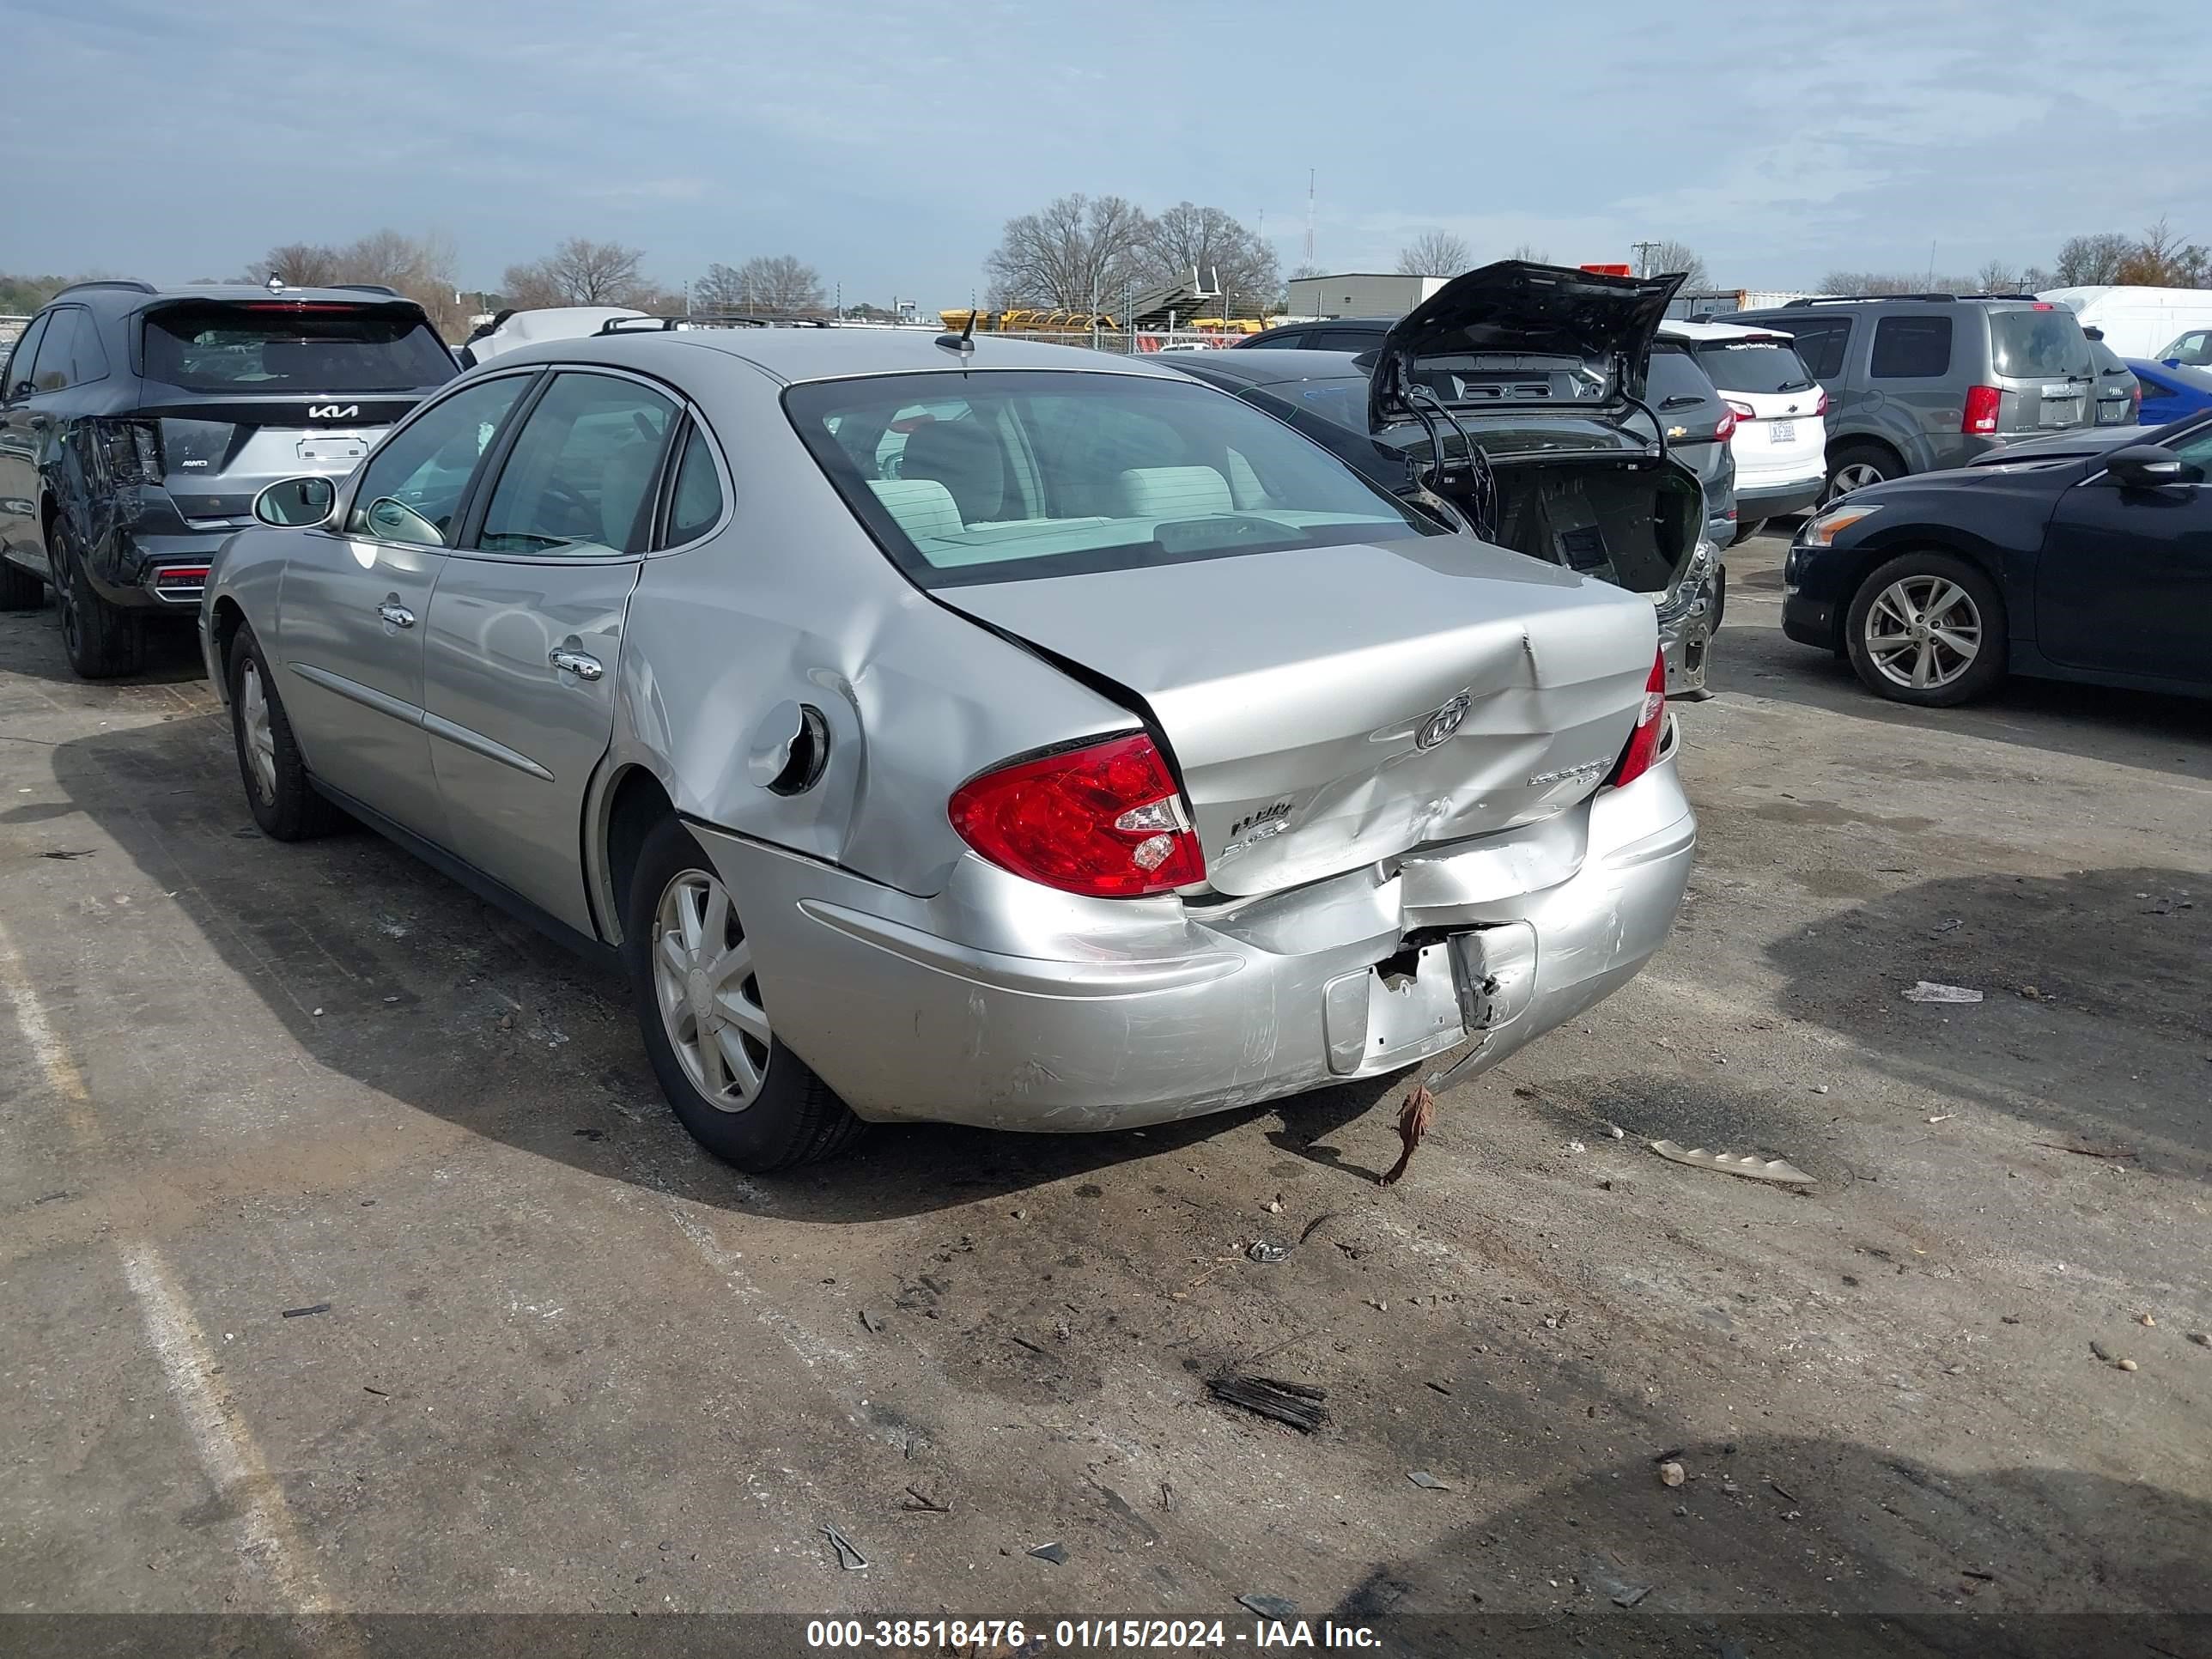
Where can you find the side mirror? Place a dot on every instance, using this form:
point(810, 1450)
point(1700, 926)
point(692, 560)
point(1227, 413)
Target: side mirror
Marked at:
point(295, 502)
point(2146, 466)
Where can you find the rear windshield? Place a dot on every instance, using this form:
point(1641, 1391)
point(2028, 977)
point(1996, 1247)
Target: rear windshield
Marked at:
point(1754, 366)
point(1675, 381)
point(2024, 343)
point(1010, 474)
point(294, 348)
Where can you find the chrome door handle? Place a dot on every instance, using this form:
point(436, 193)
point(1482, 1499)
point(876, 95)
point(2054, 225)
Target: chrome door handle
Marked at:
point(395, 613)
point(574, 662)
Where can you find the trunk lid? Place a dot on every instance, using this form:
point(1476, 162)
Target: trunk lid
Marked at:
point(2045, 374)
point(216, 454)
point(1515, 334)
point(1329, 707)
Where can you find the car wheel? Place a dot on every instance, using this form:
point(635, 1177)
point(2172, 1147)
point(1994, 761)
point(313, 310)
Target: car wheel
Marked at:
point(19, 589)
point(270, 765)
point(100, 640)
point(1855, 466)
point(1927, 629)
point(743, 1096)
point(1745, 529)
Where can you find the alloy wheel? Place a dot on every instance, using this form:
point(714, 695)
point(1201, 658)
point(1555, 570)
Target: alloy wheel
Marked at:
point(1922, 632)
point(1857, 475)
point(709, 999)
point(66, 606)
point(260, 735)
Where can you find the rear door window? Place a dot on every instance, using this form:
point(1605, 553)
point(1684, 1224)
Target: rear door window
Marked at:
point(579, 480)
point(53, 370)
point(1820, 345)
point(1910, 348)
point(295, 347)
point(2035, 344)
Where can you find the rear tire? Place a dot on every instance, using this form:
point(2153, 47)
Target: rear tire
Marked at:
point(1912, 617)
point(19, 589)
point(1854, 466)
point(750, 1102)
point(101, 641)
point(270, 765)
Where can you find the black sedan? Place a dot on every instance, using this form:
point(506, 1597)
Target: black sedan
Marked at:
point(2084, 562)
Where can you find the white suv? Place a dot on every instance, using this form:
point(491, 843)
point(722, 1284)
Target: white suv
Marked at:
point(1781, 441)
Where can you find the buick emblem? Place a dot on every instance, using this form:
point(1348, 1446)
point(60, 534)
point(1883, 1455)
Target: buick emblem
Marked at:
point(1441, 724)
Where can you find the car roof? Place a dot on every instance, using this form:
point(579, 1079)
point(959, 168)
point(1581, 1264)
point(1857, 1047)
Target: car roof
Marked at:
point(120, 295)
point(796, 355)
point(1696, 332)
point(1274, 367)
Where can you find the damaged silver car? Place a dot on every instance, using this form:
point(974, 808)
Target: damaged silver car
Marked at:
point(966, 729)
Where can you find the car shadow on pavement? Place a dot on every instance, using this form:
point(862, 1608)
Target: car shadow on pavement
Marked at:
point(2095, 1017)
point(172, 651)
point(382, 970)
point(2145, 729)
point(1852, 1550)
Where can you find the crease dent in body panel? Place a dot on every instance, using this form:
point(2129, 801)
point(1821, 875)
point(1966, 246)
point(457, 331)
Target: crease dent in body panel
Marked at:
point(222, 1443)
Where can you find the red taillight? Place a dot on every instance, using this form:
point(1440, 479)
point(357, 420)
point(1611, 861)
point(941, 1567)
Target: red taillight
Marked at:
point(1105, 820)
point(1741, 411)
point(1822, 408)
point(1644, 742)
point(190, 575)
point(1981, 415)
point(1725, 428)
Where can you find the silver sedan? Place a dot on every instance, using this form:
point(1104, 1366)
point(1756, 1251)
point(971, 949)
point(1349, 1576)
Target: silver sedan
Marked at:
point(1000, 733)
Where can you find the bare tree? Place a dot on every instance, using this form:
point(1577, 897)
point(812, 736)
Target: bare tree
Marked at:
point(301, 264)
point(1996, 276)
point(719, 290)
point(778, 283)
point(1879, 282)
point(1077, 249)
point(2163, 260)
point(1665, 258)
point(2087, 260)
point(1532, 253)
point(1188, 238)
point(1435, 253)
point(579, 272)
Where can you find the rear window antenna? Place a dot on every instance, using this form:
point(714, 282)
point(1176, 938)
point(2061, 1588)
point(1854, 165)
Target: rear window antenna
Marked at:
point(275, 284)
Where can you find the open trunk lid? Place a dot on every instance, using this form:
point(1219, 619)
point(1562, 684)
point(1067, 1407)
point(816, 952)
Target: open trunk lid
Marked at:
point(1516, 334)
point(1329, 707)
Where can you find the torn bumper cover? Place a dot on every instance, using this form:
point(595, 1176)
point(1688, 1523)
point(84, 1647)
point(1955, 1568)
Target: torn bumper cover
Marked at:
point(1003, 1004)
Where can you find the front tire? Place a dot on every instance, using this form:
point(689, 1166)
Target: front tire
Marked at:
point(742, 1095)
point(283, 802)
point(102, 641)
point(1927, 629)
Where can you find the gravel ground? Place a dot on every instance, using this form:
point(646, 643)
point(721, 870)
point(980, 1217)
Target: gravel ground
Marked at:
point(568, 1364)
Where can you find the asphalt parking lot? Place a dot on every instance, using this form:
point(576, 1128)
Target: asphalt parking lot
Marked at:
point(567, 1364)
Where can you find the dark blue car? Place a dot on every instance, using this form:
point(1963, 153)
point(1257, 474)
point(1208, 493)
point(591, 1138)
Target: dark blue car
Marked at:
point(2170, 392)
point(2085, 555)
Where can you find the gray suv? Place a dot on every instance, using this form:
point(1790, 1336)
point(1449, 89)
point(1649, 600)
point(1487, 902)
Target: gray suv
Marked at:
point(137, 423)
point(1920, 381)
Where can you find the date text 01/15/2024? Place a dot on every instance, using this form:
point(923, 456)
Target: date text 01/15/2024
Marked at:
point(982, 1637)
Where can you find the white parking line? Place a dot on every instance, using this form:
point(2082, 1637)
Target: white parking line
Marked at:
point(225, 1447)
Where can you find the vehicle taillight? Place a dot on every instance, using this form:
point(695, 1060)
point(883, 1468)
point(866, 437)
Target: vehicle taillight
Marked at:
point(1981, 415)
point(1822, 408)
point(1105, 820)
point(132, 451)
point(1725, 428)
point(1741, 411)
point(1644, 742)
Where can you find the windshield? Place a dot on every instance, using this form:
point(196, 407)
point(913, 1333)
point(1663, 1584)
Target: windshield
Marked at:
point(2039, 342)
point(1754, 366)
point(295, 347)
point(2191, 351)
point(1010, 474)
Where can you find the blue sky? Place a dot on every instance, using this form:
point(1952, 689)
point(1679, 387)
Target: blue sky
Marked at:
point(886, 145)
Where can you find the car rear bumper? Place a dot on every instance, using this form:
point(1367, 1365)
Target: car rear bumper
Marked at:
point(1002, 1003)
point(156, 572)
point(1755, 499)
